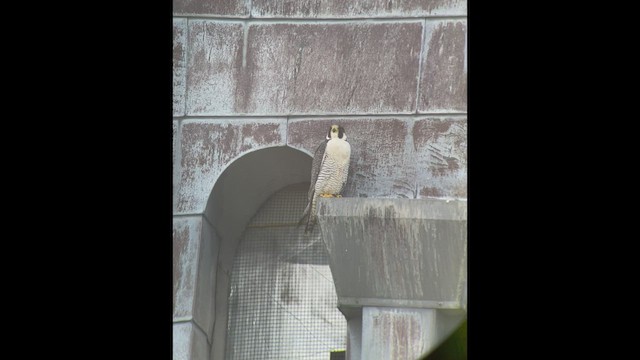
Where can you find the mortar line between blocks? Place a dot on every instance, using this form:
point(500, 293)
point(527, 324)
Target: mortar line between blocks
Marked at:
point(420, 62)
point(320, 20)
point(177, 167)
point(185, 215)
point(245, 45)
point(186, 65)
point(318, 116)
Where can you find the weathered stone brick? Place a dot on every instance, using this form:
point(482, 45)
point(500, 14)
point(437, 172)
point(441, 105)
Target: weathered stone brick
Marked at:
point(208, 146)
point(182, 341)
point(396, 157)
point(332, 68)
point(176, 158)
point(179, 65)
point(204, 307)
point(186, 248)
point(348, 9)
point(440, 145)
point(381, 155)
point(195, 252)
point(320, 68)
point(443, 82)
point(397, 333)
point(214, 62)
point(189, 343)
point(239, 8)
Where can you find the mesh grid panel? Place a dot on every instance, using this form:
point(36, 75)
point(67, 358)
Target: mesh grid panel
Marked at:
point(283, 303)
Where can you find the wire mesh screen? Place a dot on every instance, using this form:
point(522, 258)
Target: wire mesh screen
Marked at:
point(283, 303)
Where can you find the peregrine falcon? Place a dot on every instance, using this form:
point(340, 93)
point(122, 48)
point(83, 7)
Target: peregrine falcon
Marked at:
point(329, 171)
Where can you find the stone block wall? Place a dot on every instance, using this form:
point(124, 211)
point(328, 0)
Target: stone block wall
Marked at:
point(255, 74)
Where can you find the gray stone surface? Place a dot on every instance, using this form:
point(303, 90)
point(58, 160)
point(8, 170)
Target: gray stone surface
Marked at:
point(208, 146)
point(329, 68)
point(396, 252)
point(396, 333)
point(235, 8)
point(382, 162)
point(204, 307)
point(176, 156)
point(189, 342)
point(347, 9)
point(296, 68)
point(179, 65)
point(200, 349)
point(421, 157)
point(182, 341)
point(186, 245)
point(195, 256)
point(215, 60)
point(440, 156)
point(414, 158)
point(354, 337)
point(443, 80)
point(223, 283)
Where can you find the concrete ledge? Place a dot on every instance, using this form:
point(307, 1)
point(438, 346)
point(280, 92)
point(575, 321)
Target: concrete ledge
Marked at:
point(396, 252)
point(399, 267)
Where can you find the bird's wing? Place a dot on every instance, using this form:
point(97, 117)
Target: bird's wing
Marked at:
point(345, 173)
point(316, 165)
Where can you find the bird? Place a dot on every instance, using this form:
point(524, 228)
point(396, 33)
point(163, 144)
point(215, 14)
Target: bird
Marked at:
point(329, 171)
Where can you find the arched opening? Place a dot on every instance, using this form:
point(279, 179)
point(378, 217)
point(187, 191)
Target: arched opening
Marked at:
point(240, 191)
point(283, 303)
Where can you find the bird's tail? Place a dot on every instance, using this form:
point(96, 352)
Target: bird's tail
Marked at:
point(305, 214)
point(309, 215)
point(311, 219)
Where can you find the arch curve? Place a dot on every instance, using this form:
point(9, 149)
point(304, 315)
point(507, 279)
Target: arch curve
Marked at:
point(237, 194)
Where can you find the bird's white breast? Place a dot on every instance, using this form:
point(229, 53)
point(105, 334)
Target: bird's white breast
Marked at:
point(339, 150)
point(335, 167)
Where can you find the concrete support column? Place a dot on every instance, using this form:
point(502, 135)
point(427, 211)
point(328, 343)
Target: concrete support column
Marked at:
point(397, 333)
point(399, 267)
point(195, 253)
point(354, 336)
point(381, 332)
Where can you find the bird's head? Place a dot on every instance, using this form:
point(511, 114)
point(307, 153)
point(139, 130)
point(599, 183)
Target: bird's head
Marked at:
point(336, 132)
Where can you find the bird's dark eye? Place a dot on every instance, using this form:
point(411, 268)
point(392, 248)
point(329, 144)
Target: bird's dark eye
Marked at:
point(334, 130)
